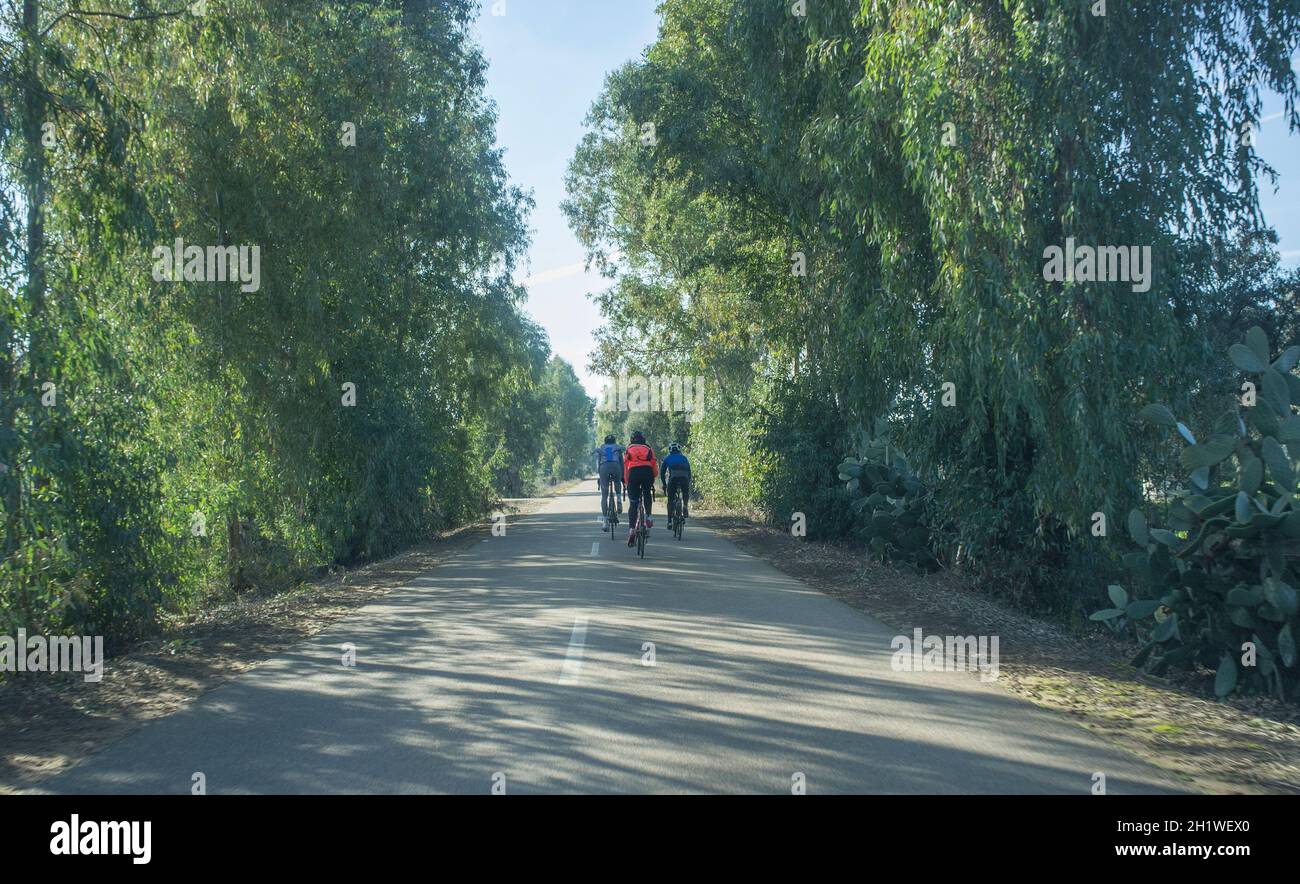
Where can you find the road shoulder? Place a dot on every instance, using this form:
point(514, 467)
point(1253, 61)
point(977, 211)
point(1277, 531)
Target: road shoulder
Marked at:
point(1246, 746)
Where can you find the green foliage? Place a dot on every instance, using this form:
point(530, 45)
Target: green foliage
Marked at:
point(801, 428)
point(568, 432)
point(1223, 572)
point(724, 468)
point(386, 265)
point(920, 157)
point(891, 503)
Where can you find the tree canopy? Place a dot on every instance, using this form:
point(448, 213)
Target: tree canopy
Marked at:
point(355, 373)
point(842, 211)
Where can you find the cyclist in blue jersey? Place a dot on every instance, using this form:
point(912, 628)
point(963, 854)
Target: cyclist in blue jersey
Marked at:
point(675, 480)
point(609, 476)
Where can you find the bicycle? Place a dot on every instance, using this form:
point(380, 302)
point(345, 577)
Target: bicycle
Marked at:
point(676, 495)
point(676, 521)
point(642, 532)
point(611, 505)
point(611, 517)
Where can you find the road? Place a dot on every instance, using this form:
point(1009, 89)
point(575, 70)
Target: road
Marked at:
point(521, 662)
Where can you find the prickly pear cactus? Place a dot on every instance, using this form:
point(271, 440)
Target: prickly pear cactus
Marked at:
point(891, 503)
point(1218, 581)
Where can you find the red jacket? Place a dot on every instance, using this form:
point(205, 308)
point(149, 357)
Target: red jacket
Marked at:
point(638, 455)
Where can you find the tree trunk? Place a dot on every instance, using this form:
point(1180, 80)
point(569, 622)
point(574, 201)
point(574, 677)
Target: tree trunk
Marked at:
point(34, 185)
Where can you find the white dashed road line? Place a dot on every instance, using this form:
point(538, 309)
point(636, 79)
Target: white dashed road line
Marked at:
point(573, 660)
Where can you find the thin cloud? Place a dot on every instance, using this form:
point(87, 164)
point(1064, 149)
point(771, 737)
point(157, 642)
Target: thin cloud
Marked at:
point(553, 274)
point(564, 272)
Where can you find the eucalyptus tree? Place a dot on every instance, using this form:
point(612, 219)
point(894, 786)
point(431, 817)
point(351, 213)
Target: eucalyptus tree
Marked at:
point(271, 286)
point(1013, 130)
point(923, 160)
point(78, 477)
point(568, 439)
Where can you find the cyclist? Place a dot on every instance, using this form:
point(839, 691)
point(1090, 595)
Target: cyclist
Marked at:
point(639, 471)
point(675, 480)
point(609, 476)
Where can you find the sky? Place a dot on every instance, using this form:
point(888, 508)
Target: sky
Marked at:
point(1281, 206)
point(547, 63)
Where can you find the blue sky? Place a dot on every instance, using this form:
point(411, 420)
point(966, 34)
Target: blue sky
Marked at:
point(548, 60)
point(1281, 149)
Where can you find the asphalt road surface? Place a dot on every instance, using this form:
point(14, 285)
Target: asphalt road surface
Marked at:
point(521, 664)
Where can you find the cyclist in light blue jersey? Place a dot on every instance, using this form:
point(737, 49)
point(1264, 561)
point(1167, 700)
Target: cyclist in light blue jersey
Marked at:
point(609, 476)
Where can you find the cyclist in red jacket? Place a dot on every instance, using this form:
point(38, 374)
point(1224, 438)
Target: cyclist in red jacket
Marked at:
point(639, 471)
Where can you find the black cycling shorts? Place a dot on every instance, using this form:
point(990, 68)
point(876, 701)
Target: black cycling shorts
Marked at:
point(641, 482)
point(681, 484)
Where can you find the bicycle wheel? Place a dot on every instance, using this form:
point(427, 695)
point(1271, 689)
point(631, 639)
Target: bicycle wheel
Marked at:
point(643, 533)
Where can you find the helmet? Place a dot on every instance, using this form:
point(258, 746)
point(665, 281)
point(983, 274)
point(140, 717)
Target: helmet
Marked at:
point(638, 437)
point(675, 447)
point(609, 440)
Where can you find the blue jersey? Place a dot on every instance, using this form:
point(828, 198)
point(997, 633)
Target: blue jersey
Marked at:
point(609, 454)
point(676, 466)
